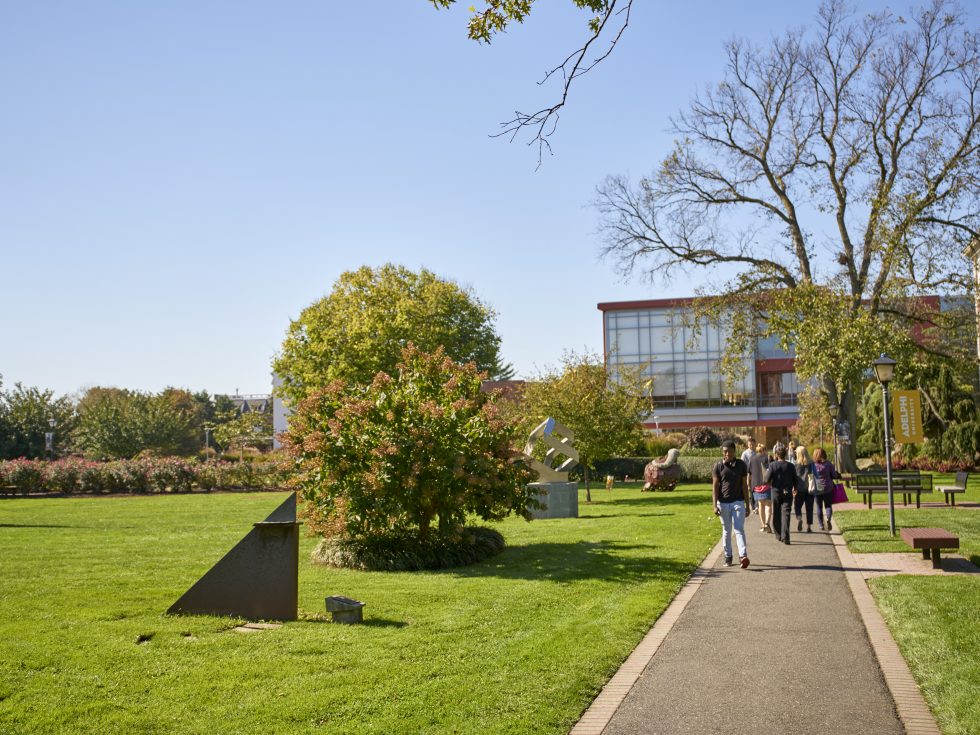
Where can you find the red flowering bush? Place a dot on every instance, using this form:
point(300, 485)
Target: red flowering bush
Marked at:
point(407, 456)
point(24, 475)
point(62, 476)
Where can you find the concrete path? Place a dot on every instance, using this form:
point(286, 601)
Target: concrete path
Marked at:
point(777, 648)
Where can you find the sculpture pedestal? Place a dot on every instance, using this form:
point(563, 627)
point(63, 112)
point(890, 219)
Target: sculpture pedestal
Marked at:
point(561, 499)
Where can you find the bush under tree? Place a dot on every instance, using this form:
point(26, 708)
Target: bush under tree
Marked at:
point(404, 461)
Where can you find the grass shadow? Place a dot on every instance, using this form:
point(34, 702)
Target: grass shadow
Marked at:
point(579, 560)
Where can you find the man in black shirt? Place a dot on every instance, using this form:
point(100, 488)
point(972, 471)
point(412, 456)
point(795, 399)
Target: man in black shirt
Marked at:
point(730, 496)
point(781, 476)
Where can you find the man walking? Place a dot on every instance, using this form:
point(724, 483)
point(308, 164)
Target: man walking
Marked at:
point(730, 496)
point(781, 476)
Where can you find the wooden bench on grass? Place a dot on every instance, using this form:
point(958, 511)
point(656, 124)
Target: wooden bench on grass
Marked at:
point(958, 487)
point(905, 484)
point(930, 540)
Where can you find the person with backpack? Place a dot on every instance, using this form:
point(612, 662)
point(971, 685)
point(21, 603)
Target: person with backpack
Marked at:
point(781, 477)
point(803, 497)
point(730, 497)
point(825, 473)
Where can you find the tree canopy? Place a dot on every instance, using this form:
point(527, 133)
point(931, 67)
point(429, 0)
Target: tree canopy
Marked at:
point(603, 413)
point(828, 182)
point(371, 314)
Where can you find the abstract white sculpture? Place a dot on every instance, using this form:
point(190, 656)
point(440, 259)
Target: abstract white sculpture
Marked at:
point(558, 439)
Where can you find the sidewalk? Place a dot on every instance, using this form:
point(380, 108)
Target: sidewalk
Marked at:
point(777, 648)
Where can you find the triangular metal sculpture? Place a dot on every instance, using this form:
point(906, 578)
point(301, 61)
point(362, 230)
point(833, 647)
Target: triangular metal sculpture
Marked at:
point(258, 579)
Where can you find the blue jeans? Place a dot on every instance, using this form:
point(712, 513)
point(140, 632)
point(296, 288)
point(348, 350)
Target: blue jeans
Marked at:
point(733, 514)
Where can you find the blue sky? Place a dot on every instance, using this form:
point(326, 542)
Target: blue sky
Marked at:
point(179, 179)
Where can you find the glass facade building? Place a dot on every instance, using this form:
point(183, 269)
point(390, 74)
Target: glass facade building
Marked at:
point(683, 370)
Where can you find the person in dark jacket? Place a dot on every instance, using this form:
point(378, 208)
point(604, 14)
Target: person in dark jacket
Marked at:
point(803, 498)
point(781, 477)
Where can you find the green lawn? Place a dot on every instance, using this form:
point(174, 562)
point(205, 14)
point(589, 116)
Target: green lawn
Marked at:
point(518, 644)
point(935, 620)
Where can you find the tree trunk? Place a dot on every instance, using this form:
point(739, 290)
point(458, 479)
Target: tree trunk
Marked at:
point(848, 414)
point(588, 493)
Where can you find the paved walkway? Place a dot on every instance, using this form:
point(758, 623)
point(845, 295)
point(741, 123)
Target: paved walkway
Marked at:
point(777, 648)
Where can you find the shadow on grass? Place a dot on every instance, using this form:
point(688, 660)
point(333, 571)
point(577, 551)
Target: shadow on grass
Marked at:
point(576, 561)
point(701, 498)
point(39, 525)
point(625, 515)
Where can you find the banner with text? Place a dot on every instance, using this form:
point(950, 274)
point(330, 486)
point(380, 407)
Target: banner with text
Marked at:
point(907, 411)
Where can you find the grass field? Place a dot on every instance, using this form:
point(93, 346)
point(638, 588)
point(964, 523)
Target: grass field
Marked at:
point(935, 620)
point(517, 644)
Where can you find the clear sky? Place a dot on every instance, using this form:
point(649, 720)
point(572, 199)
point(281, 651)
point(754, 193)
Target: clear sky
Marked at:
point(179, 179)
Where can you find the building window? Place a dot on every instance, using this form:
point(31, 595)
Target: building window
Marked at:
point(778, 389)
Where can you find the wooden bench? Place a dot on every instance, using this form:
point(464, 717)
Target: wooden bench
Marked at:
point(930, 540)
point(905, 484)
point(950, 491)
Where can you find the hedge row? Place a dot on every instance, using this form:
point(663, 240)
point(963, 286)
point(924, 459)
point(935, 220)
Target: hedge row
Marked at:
point(146, 475)
point(693, 468)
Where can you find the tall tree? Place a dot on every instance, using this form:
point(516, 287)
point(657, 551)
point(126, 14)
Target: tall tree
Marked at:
point(25, 417)
point(603, 413)
point(118, 423)
point(361, 327)
point(837, 167)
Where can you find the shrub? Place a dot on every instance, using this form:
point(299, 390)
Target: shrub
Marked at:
point(62, 476)
point(410, 455)
point(700, 437)
point(697, 469)
point(407, 553)
point(94, 477)
point(171, 475)
point(622, 466)
point(24, 475)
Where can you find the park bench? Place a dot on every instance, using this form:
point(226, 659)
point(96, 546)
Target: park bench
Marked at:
point(905, 484)
point(959, 486)
point(930, 541)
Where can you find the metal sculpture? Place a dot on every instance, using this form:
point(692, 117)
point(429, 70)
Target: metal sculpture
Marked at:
point(258, 579)
point(558, 496)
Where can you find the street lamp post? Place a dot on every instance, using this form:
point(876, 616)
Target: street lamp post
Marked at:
point(207, 442)
point(656, 422)
point(49, 438)
point(884, 371)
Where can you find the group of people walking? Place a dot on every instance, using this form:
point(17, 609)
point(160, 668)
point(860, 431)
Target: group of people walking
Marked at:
point(777, 485)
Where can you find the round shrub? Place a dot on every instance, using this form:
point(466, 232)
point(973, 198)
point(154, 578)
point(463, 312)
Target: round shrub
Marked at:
point(701, 437)
point(62, 475)
point(23, 474)
point(410, 455)
point(407, 553)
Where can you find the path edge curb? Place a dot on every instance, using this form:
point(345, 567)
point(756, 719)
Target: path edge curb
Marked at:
point(913, 712)
point(594, 720)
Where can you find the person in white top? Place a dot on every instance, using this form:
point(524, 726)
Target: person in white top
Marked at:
point(747, 457)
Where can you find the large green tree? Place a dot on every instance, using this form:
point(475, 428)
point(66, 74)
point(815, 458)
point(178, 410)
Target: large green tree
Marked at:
point(827, 182)
point(603, 411)
point(25, 417)
point(371, 314)
point(118, 423)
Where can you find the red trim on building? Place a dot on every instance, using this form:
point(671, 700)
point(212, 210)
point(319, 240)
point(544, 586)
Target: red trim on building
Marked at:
point(776, 365)
point(688, 424)
point(648, 304)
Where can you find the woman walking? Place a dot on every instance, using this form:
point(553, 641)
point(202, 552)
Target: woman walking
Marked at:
point(760, 491)
point(781, 477)
point(803, 498)
point(826, 474)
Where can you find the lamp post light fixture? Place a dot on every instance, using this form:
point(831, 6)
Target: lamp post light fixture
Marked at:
point(884, 371)
point(49, 438)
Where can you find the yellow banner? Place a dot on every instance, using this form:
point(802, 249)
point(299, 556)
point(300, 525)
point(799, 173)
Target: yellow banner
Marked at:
point(908, 416)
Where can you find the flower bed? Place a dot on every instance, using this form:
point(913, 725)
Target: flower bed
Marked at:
point(145, 475)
